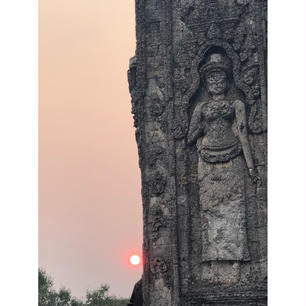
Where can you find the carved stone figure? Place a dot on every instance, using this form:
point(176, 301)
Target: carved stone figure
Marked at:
point(219, 127)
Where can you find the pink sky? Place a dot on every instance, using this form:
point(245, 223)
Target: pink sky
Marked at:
point(90, 214)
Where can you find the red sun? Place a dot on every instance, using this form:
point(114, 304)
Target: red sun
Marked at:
point(135, 260)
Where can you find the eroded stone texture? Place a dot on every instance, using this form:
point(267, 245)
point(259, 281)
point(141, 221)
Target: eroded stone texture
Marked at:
point(198, 87)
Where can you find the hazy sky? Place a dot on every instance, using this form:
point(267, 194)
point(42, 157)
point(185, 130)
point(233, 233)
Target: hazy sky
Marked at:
point(90, 215)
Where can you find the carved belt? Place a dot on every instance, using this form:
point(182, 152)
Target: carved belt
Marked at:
point(220, 154)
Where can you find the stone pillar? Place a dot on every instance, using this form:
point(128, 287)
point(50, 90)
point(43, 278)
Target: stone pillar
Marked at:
point(198, 87)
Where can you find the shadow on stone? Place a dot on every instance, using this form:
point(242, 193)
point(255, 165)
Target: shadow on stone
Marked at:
point(136, 298)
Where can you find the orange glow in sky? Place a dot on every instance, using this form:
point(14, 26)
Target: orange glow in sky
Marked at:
point(90, 208)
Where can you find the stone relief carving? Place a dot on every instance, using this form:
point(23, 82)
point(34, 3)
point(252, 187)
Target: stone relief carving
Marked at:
point(234, 27)
point(155, 98)
point(158, 219)
point(204, 204)
point(154, 155)
point(157, 184)
point(157, 107)
point(157, 222)
point(219, 128)
point(214, 31)
point(158, 267)
point(132, 72)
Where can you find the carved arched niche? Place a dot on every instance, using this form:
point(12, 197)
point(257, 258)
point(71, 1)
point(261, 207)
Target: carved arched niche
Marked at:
point(208, 48)
point(213, 196)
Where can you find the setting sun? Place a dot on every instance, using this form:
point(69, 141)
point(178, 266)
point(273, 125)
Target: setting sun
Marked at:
point(135, 260)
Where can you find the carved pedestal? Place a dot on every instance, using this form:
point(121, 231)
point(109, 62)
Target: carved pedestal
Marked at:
point(198, 87)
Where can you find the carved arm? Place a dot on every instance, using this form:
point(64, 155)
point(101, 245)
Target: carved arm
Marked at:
point(243, 136)
point(195, 127)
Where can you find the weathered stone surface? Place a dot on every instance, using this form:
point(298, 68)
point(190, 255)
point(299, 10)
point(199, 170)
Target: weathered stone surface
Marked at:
point(198, 88)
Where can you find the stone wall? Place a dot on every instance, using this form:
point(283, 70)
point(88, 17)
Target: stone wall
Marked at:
point(202, 150)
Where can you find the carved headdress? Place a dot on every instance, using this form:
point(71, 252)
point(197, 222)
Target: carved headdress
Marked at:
point(216, 61)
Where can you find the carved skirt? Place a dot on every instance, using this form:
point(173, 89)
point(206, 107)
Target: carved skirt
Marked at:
point(223, 210)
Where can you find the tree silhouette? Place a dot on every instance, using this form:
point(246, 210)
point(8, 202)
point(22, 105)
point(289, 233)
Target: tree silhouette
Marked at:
point(47, 296)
